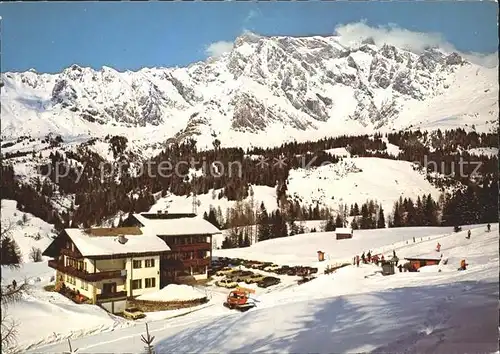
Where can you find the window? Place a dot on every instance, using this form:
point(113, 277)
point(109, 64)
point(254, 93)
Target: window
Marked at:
point(137, 264)
point(86, 286)
point(150, 282)
point(71, 280)
point(150, 263)
point(136, 284)
point(82, 284)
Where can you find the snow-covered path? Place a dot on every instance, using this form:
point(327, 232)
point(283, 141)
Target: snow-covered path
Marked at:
point(436, 310)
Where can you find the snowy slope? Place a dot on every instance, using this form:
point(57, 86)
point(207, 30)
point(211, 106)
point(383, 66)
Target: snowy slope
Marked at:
point(356, 180)
point(28, 231)
point(471, 87)
point(351, 310)
point(286, 87)
point(302, 249)
point(352, 180)
point(184, 204)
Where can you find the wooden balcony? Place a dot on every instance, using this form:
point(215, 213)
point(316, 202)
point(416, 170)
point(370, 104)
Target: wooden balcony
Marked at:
point(204, 246)
point(196, 262)
point(179, 264)
point(90, 277)
point(70, 253)
point(109, 296)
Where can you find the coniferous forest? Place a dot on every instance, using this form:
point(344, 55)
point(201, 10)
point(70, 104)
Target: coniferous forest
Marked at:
point(98, 190)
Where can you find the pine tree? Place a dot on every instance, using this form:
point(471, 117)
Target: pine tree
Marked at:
point(410, 213)
point(338, 221)
point(381, 219)
point(212, 218)
point(430, 211)
point(397, 218)
point(316, 213)
point(330, 225)
point(354, 223)
point(226, 243)
point(263, 227)
point(356, 209)
point(365, 219)
point(419, 213)
point(10, 252)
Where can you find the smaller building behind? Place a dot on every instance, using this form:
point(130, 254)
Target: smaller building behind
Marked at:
point(342, 233)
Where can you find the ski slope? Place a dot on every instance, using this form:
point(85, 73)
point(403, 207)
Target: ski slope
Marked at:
point(353, 180)
point(302, 249)
point(352, 310)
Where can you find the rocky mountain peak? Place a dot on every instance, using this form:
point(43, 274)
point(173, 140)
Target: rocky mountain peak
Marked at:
point(296, 82)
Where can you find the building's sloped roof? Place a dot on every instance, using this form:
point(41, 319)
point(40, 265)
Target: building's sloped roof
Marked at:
point(178, 226)
point(343, 230)
point(106, 243)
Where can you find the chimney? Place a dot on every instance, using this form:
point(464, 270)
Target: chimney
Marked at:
point(122, 239)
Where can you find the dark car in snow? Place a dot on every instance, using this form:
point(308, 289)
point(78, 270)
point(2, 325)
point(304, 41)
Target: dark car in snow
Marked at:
point(268, 281)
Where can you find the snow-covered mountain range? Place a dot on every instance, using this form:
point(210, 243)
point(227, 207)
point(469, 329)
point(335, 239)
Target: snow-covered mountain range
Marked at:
point(285, 87)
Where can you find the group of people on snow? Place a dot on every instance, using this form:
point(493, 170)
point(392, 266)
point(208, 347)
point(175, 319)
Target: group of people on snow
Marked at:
point(369, 258)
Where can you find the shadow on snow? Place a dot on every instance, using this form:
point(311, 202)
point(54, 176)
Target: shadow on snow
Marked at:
point(458, 317)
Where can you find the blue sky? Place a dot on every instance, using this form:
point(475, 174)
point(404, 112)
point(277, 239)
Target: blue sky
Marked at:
point(129, 35)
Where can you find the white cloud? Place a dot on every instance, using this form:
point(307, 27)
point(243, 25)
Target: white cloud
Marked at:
point(216, 49)
point(414, 41)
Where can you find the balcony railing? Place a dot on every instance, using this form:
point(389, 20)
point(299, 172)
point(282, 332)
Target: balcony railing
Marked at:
point(82, 274)
point(191, 247)
point(108, 296)
point(70, 253)
point(196, 262)
point(178, 264)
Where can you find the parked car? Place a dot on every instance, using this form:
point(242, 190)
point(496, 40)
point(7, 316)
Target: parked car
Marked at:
point(305, 279)
point(133, 313)
point(239, 276)
point(283, 270)
point(224, 271)
point(272, 268)
point(227, 283)
point(268, 281)
point(254, 278)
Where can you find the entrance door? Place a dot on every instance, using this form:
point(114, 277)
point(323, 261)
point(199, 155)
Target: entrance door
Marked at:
point(109, 288)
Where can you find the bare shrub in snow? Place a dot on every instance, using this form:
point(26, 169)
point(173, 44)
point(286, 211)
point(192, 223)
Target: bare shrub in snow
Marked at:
point(10, 294)
point(35, 254)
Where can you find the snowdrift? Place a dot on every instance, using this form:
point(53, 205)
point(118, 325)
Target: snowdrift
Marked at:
point(174, 292)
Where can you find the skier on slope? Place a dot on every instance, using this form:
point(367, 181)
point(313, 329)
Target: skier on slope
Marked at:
point(363, 257)
point(438, 247)
point(468, 235)
point(488, 227)
point(463, 265)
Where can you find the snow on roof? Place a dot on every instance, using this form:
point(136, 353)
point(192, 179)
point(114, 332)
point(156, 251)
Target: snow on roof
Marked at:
point(343, 230)
point(90, 245)
point(178, 226)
